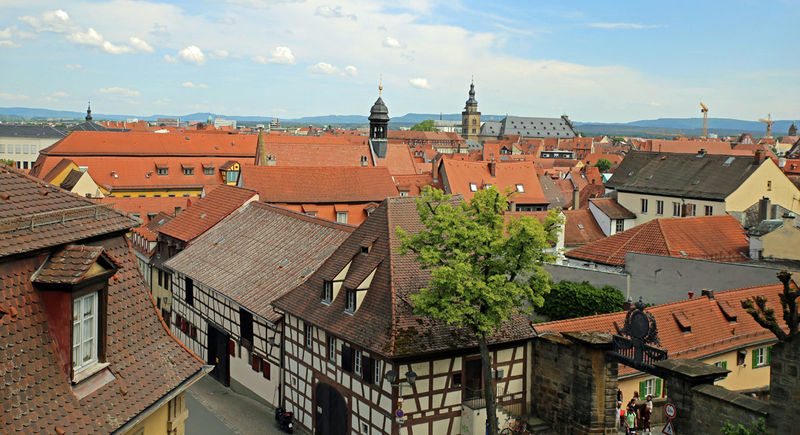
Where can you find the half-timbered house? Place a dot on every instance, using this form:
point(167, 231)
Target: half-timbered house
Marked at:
point(225, 281)
point(352, 323)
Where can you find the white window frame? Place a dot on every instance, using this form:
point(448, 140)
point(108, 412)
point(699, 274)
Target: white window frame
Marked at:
point(644, 205)
point(619, 225)
point(676, 209)
point(762, 357)
point(350, 303)
point(357, 363)
point(309, 335)
point(520, 188)
point(473, 187)
point(659, 207)
point(81, 342)
point(341, 217)
point(649, 387)
point(327, 291)
point(332, 348)
point(708, 210)
point(376, 375)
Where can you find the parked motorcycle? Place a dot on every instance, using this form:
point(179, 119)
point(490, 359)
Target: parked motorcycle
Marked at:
point(284, 420)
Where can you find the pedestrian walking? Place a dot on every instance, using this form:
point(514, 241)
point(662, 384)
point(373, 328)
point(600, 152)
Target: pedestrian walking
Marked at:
point(647, 412)
point(630, 421)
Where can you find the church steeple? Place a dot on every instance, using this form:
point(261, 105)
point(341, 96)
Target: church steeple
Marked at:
point(89, 112)
point(470, 117)
point(378, 125)
point(793, 130)
point(472, 102)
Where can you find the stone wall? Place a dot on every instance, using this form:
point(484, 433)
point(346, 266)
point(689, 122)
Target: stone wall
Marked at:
point(573, 384)
point(785, 386)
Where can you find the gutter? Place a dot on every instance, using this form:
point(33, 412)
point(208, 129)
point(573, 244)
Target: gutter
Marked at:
point(166, 398)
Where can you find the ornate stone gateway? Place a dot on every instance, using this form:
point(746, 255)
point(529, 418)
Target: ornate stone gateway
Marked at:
point(633, 348)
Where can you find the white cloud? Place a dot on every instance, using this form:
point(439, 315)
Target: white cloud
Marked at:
point(393, 42)
point(73, 66)
point(334, 12)
point(57, 21)
point(351, 70)
point(194, 85)
point(13, 96)
point(121, 92)
point(115, 49)
point(191, 54)
point(623, 26)
point(90, 37)
point(324, 68)
point(9, 44)
point(140, 45)
point(282, 55)
point(219, 54)
point(419, 82)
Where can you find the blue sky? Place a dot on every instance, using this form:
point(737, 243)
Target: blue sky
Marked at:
point(595, 61)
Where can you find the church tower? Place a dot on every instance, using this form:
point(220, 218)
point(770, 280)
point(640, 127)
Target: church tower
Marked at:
point(378, 125)
point(89, 113)
point(470, 117)
point(792, 130)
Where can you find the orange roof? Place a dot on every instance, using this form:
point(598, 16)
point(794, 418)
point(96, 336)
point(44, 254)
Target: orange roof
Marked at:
point(718, 238)
point(423, 135)
point(57, 169)
point(692, 147)
point(580, 227)
point(398, 160)
point(206, 212)
point(459, 176)
point(413, 184)
point(593, 158)
point(717, 325)
point(332, 184)
point(145, 206)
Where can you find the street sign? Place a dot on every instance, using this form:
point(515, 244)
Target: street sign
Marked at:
point(399, 413)
point(669, 410)
point(668, 429)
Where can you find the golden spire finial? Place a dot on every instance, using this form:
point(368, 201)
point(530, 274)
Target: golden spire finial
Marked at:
point(380, 85)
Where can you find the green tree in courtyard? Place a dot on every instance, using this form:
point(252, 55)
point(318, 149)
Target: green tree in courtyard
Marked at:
point(603, 165)
point(758, 428)
point(484, 268)
point(568, 300)
point(426, 125)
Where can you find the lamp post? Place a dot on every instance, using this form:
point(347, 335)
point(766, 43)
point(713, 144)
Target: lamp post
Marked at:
point(394, 380)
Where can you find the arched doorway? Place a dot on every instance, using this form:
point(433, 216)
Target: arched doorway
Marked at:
point(331, 411)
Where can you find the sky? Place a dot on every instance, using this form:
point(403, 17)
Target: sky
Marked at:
point(609, 61)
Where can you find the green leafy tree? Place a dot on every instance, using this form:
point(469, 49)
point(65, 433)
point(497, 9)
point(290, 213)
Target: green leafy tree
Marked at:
point(568, 300)
point(603, 165)
point(758, 428)
point(7, 162)
point(484, 269)
point(426, 125)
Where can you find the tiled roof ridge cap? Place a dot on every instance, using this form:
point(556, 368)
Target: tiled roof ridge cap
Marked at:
point(302, 216)
point(664, 237)
point(724, 340)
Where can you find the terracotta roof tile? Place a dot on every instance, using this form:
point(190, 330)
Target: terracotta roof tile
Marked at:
point(611, 208)
point(712, 330)
point(717, 238)
point(69, 265)
point(336, 184)
point(206, 212)
point(458, 175)
point(691, 147)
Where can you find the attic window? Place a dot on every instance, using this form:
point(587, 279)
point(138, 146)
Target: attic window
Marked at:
point(520, 188)
point(162, 170)
point(473, 187)
point(728, 161)
point(580, 226)
point(683, 322)
point(727, 310)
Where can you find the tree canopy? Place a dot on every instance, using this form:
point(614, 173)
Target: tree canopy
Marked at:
point(426, 125)
point(568, 300)
point(484, 267)
point(603, 165)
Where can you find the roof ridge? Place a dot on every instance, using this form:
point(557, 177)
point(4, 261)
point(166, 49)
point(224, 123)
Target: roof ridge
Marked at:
point(664, 237)
point(302, 216)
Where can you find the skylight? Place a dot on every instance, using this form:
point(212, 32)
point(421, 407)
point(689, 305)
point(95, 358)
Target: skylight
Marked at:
point(473, 187)
point(520, 188)
point(728, 161)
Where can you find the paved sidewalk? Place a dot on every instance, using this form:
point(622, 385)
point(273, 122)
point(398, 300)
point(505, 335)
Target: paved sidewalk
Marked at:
point(216, 410)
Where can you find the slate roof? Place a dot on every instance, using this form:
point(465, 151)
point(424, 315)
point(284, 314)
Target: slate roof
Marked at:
point(146, 361)
point(38, 131)
point(553, 194)
point(537, 127)
point(260, 253)
point(331, 184)
point(206, 212)
point(69, 265)
point(712, 331)
point(71, 179)
point(34, 215)
point(384, 323)
point(491, 128)
point(712, 177)
point(611, 208)
point(717, 238)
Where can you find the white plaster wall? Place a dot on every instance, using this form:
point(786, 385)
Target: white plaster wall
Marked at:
point(632, 201)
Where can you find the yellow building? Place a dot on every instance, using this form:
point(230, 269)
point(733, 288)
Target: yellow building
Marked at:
point(471, 117)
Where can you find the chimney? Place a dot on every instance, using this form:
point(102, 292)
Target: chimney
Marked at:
point(691, 295)
point(763, 208)
point(758, 156)
point(627, 305)
point(709, 293)
point(576, 198)
point(493, 167)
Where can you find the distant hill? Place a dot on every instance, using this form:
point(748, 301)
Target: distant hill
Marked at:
point(646, 128)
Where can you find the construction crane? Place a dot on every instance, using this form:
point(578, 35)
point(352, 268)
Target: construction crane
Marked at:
point(769, 123)
point(704, 110)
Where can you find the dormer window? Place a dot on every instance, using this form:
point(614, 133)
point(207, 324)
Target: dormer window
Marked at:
point(350, 303)
point(327, 291)
point(84, 331)
point(473, 187)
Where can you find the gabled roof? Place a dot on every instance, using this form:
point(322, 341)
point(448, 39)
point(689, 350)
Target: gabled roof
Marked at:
point(423, 135)
point(507, 175)
point(293, 185)
point(553, 194)
point(717, 238)
point(713, 329)
point(611, 208)
point(57, 169)
point(206, 212)
point(384, 323)
point(35, 215)
point(260, 253)
point(708, 176)
point(69, 265)
point(398, 160)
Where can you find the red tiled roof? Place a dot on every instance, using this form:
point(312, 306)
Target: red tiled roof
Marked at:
point(718, 238)
point(57, 169)
point(611, 208)
point(413, 184)
point(145, 361)
point(69, 265)
point(424, 135)
point(206, 212)
point(711, 330)
point(593, 158)
point(460, 174)
point(398, 160)
point(692, 147)
point(297, 185)
point(148, 205)
point(284, 249)
point(581, 228)
point(385, 322)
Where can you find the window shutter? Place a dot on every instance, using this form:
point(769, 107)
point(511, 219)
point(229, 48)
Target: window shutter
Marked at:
point(755, 358)
point(657, 392)
point(366, 369)
point(769, 354)
point(256, 362)
point(664, 388)
point(265, 368)
point(347, 358)
point(724, 364)
point(232, 348)
point(642, 388)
